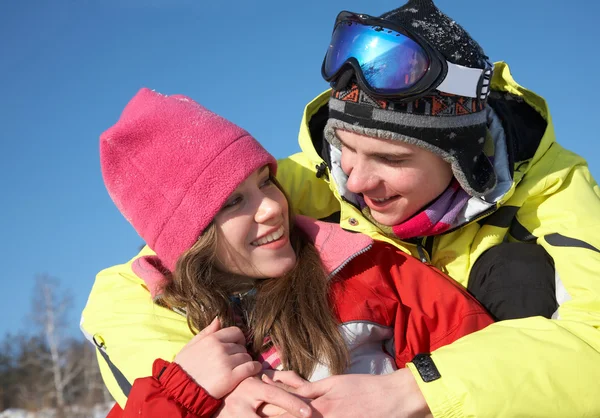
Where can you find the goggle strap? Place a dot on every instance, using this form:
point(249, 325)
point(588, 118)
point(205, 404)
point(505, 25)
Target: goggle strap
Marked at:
point(465, 81)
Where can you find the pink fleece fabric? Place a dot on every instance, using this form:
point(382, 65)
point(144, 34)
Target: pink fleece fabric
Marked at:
point(169, 164)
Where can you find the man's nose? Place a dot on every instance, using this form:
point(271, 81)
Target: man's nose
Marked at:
point(360, 177)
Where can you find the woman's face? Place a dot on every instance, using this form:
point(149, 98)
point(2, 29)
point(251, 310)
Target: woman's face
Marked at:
point(253, 230)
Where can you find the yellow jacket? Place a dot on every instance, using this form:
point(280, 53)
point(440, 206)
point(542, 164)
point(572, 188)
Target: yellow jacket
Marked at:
point(532, 367)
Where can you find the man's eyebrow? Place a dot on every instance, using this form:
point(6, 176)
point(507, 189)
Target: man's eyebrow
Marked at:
point(391, 155)
point(379, 154)
point(345, 145)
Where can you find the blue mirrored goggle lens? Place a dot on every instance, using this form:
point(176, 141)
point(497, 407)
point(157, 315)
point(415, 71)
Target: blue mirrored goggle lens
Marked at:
point(390, 61)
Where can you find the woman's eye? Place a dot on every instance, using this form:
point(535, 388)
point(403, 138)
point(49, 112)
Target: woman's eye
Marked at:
point(232, 202)
point(266, 182)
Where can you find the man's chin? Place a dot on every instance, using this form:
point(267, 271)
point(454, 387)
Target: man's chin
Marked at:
point(386, 219)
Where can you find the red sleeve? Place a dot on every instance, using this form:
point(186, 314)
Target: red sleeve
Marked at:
point(434, 309)
point(115, 412)
point(426, 308)
point(169, 392)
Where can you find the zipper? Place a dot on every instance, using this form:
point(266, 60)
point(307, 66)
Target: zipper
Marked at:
point(238, 297)
point(423, 250)
point(349, 259)
point(241, 316)
point(425, 245)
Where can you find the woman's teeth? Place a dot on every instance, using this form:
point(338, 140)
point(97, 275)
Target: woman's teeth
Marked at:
point(270, 238)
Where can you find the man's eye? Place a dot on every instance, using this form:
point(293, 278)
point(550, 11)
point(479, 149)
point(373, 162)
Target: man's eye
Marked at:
point(391, 161)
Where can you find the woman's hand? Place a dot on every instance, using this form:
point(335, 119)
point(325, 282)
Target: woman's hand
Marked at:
point(257, 398)
point(217, 359)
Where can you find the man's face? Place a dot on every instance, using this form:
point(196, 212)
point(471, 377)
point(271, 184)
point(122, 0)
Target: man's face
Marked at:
point(396, 179)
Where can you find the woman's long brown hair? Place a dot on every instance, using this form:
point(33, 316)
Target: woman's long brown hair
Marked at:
point(294, 311)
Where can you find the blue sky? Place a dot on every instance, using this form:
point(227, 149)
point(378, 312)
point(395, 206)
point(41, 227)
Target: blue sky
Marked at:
point(68, 67)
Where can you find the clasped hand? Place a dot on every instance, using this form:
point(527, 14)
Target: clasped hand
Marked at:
point(218, 361)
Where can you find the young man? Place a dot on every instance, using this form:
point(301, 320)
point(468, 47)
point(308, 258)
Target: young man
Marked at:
point(420, 146)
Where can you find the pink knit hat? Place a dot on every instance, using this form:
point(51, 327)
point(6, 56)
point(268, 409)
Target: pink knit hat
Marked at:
point(169, 164)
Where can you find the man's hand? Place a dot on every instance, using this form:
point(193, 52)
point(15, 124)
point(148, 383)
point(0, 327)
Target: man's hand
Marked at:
point(288, 380)
point(394, 395)
point(248, 399)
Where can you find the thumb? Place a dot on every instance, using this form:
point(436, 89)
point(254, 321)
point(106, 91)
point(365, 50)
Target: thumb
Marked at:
point(289, 380)
point(313, 390)
point(213, 327)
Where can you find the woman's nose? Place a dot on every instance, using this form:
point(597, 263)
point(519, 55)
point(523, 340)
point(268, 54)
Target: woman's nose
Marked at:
point(267, 209)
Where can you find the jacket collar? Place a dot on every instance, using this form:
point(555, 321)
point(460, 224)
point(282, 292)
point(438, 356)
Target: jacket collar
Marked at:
point(335, 245)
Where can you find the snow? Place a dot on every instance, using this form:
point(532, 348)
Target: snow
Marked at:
point(97, 411)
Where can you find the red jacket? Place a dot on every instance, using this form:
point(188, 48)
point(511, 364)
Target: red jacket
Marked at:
point(390, 306)
point(169, 392)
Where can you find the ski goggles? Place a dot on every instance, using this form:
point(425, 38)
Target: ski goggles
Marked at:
point(390, 61)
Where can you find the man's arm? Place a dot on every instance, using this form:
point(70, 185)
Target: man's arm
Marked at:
point(533, 367)
point(128, 329)
point(537, 367)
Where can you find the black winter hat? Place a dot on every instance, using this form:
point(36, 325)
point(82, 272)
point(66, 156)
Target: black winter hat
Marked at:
point(453, 127)
point(423, 18)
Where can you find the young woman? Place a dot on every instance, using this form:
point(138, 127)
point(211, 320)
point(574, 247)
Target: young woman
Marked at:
point(294, 293)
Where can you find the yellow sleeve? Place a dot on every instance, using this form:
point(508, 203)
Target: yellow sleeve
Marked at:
point(308, 195)
point(128, 329)
point(537, 367)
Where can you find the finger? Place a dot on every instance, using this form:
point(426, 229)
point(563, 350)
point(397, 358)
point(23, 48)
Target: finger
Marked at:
point(239, 359)
point(234, 348)
point(288, 378)
point(265, 378)
point(313, 390)
point(315, 414)
point(245, 370)
point(245, 412)
point(214, 326)
point(242, 412)
point(268, 410)
point(231, 335)
point(279, 397)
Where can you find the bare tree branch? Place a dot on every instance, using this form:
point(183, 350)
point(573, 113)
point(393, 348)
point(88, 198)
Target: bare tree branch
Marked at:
point(50, 306)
